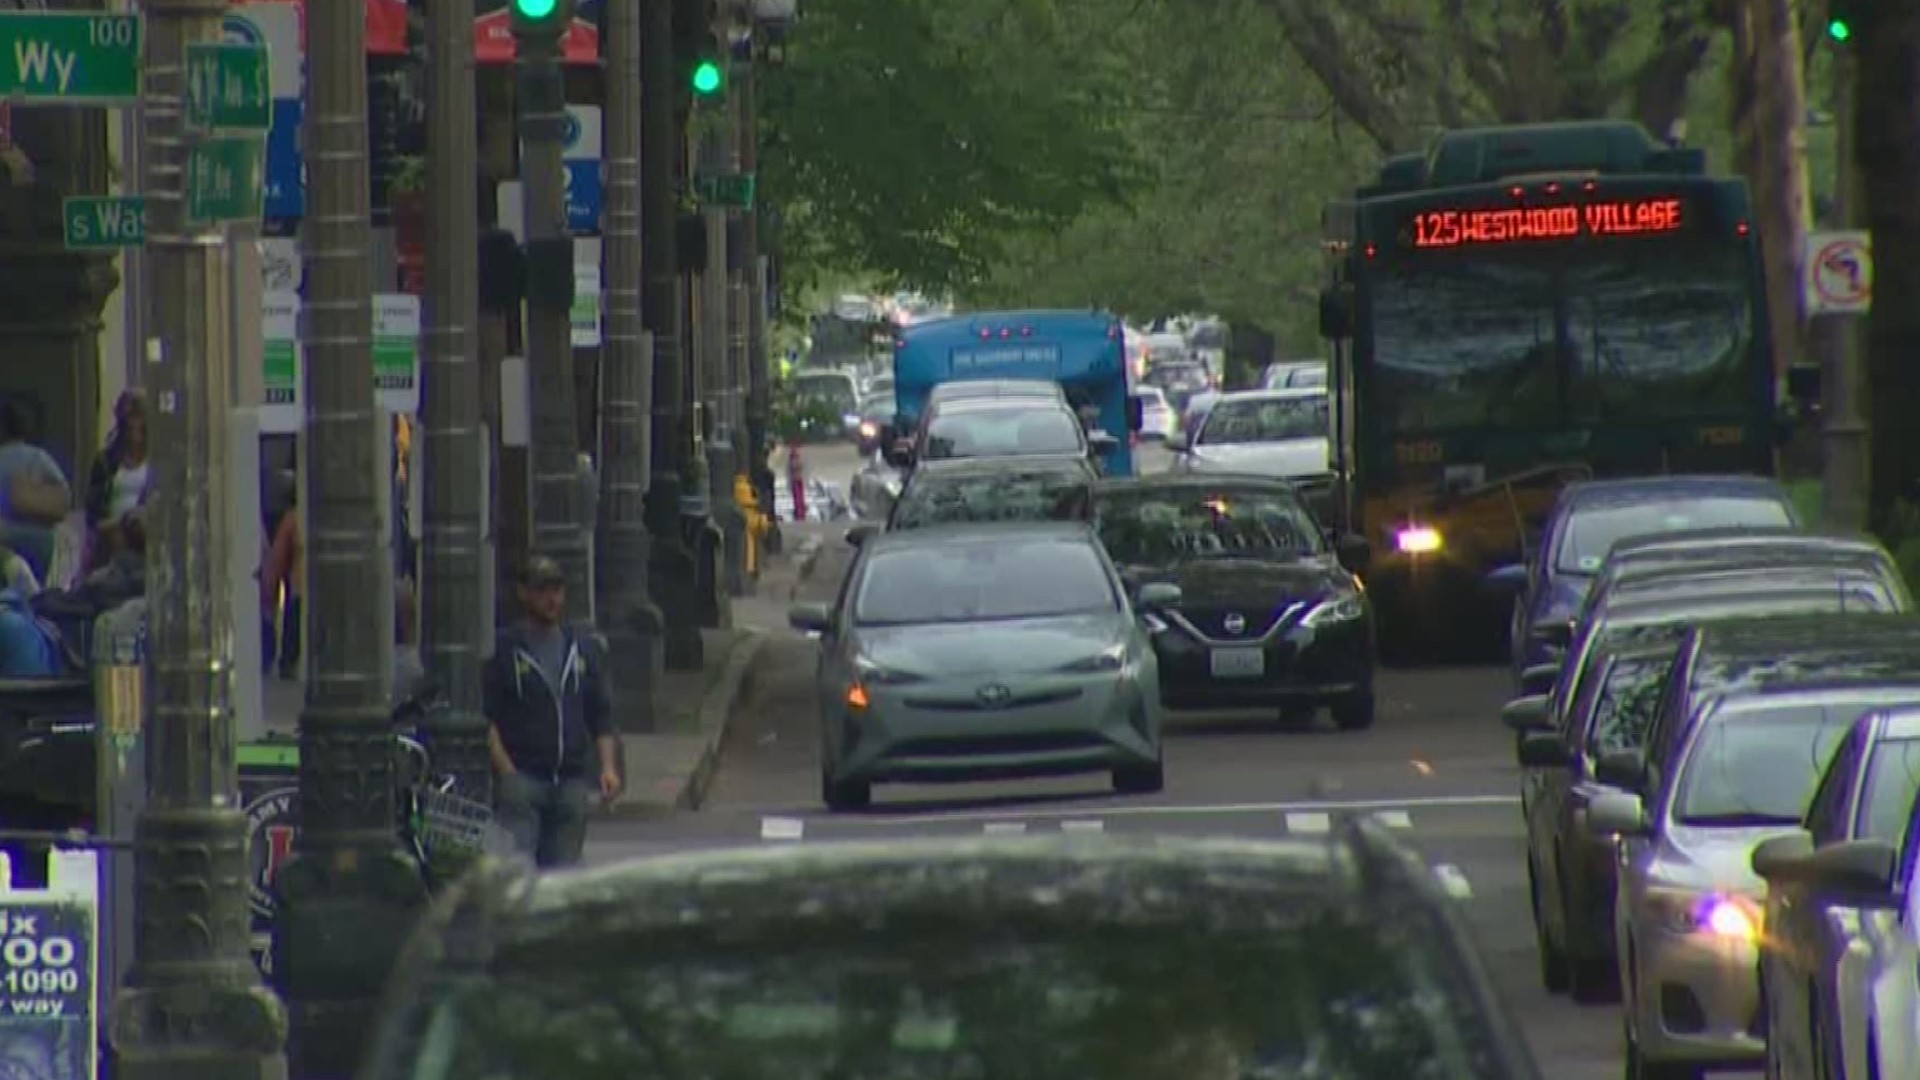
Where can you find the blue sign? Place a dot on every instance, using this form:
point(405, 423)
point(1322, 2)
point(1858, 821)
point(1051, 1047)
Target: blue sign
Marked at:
point(286, 169)
point(585, 197)
point(47, 975)
point(996, 356)
point(276, 28)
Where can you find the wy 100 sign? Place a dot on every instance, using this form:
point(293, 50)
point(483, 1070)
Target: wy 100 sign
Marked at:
point(1487, 227)
point(48, 972)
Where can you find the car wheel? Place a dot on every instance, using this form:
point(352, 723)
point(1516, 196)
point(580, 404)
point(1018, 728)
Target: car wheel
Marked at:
point(1140, 779)
point(843, 795)
point(1592, 980)
point(1553, 962)
point(1354, 712)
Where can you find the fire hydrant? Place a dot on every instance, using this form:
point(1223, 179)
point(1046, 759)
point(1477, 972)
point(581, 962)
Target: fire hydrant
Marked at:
point(757, 524)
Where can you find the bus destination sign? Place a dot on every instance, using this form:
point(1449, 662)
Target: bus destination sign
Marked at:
point(1491, 227)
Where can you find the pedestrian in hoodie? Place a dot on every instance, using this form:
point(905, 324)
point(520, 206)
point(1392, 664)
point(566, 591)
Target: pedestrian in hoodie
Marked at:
point(550, 724)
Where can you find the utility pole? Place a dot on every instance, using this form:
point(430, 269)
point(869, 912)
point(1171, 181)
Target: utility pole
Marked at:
point(758, 377)
point(670, 562)
point(1845, 448)
point(716, 355)
point(348, 898)
point(540, 98)
point(454, 633)
point(631, 622)
point(194, 1005)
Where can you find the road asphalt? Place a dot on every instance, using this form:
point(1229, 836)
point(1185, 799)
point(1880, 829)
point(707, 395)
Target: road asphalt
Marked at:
point(1437, 769)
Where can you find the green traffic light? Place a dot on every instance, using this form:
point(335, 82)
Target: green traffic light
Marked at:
point(1838, 30)
point(706, 77)
point(535, 9)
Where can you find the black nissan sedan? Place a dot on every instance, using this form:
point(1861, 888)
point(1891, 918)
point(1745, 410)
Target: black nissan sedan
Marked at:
point(1271, 613)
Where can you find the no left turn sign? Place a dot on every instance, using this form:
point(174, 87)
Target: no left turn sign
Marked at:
point(1838, 279)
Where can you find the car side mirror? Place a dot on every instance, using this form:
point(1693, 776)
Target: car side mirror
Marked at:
point(1618, 813)
point(1136, 413)
point(1621, 769)
point(1543, 750)
point(1778, 859)
point(860, 534)
point(810, 618)
point(1353, 551)
point(1539, 678)
point(1101, 442)
point(899, 454)
point(1859, 871)
point(1557, 634)
point(1178, 443)
point(1510, 578)
point(1527, 714)
point(1157, 594)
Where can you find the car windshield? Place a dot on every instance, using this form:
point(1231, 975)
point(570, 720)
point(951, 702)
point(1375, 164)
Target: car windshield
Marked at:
point(1176, 375)
point(1893, 782)
point(1322, 997)
point(1628, 696)
point(1030, 495)
point(1591, 533)
point(1758, 765)
point(1162, 528)
point(1003, 432)
point(834, 391)
point(1313, 376)
point(1590, 653)
point(1256, 420)
point(985, 580)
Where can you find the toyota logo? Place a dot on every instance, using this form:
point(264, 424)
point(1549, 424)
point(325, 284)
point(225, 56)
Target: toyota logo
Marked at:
point(994, 694)
point(1235, 623)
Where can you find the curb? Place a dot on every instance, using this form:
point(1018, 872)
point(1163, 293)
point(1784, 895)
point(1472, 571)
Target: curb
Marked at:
point(806, 558)
point(716, 712)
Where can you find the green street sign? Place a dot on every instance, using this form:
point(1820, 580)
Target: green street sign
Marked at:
point(72, 57)
point(227, 179)
point(227, 88)
point(95, 222)
point(731, 190)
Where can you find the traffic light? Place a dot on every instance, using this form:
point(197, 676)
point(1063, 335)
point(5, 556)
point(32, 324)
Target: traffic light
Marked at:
point(1843, 19)
point(709, 78)
point(541, 14)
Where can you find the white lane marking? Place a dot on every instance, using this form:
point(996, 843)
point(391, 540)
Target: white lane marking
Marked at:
point(1083, 826)
point(1004, 828)
point(1453, 881)
point(1309, 823)
point(782, 828)
point(1394, 819)
point(1320, 806)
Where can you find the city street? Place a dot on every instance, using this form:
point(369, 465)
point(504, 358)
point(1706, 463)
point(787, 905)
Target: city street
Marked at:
point(1437, 769)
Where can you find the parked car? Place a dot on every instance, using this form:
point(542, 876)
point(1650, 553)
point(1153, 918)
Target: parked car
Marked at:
point(1156, 417)
point(981, 491)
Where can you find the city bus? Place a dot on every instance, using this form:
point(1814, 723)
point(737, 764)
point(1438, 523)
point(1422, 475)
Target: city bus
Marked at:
point(1517, 308)
point(1083, 351)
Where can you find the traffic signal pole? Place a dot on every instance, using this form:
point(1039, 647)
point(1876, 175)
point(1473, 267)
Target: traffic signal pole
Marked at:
point(559, 525)
point(716, 353)
point(627, 615)
point(453, 587)
point(1844, 432)
point(758, 376)
point(348, 898)
point(193, 1005)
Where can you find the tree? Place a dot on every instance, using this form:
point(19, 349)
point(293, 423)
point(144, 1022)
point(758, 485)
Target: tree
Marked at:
point(913, 137)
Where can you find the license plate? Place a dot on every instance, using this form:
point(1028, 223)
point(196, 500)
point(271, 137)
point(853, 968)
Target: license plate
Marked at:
point(1239, 663)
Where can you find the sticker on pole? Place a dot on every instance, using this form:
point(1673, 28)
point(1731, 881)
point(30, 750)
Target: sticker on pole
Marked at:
point(49, 968)
point(1839, 273)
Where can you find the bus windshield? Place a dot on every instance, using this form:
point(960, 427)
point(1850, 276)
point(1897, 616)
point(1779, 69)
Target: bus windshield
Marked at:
point(1650, 330)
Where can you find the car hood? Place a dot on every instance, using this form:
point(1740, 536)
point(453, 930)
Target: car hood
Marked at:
point(940, 650)
point(1213, 583)
point(1287, 459)
point(1716, 858)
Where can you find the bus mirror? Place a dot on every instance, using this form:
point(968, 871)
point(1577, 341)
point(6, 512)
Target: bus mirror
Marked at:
point(1336, 317)
point(1136, 413)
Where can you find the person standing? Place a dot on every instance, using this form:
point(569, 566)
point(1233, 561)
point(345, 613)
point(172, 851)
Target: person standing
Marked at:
point(121, 480)
point(550, 724)
point(797, 480)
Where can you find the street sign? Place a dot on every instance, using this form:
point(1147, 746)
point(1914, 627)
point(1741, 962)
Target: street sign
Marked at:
point(275, 27)
point(396, 352)
point(50, 969)
point(70, 57)
point(1838, 277)
point(228, 88)
point(731, 190)
point(586, 196)
point(92, 222)
point(226, 179)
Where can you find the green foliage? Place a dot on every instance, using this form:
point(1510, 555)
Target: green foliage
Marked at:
point(911, 137)
point(800, 418)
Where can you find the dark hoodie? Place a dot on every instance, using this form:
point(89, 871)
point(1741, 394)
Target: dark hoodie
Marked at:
point(548, 737)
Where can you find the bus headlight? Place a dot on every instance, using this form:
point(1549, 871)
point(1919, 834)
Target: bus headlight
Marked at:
point(1417, 540)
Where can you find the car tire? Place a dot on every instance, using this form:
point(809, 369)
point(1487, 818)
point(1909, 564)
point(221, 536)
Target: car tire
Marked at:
point(844, 795)
point(1354, 712)
point(1553, 961)
point(1140, 779)
point(1592, 980)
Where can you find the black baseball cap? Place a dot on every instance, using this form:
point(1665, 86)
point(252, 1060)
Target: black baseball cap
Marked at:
point(540, 571)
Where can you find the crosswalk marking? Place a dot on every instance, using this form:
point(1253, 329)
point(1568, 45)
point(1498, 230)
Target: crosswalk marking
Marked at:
point(1004, 828)
point(1309, 823)
point(1394, 819)
point(1298, 823)
point(1093, 826)
point(782, 828)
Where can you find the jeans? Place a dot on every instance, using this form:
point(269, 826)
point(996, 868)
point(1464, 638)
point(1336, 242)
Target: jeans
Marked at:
point(546, 820)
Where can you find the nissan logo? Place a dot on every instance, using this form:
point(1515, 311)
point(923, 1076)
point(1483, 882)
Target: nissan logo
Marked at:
point(1235, 623)
point(995, 694)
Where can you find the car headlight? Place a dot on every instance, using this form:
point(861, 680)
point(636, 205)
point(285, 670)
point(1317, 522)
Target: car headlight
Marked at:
point(1709, 914)
point(873, 674)
point(1112, 658)
point(868, 430)
point(1417, 540)
point(1335, 609)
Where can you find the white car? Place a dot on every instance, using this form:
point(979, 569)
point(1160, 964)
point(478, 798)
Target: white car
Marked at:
point(1284, 434)
point(1156, 416)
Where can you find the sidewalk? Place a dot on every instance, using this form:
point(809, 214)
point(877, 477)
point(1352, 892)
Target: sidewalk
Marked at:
point(669, 769)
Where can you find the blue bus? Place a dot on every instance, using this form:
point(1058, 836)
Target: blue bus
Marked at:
point(1083, 351)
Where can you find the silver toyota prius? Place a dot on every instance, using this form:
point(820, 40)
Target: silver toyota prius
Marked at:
point(985, 652)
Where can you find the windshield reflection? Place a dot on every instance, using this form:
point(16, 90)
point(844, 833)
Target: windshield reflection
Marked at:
point(1162, 529)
